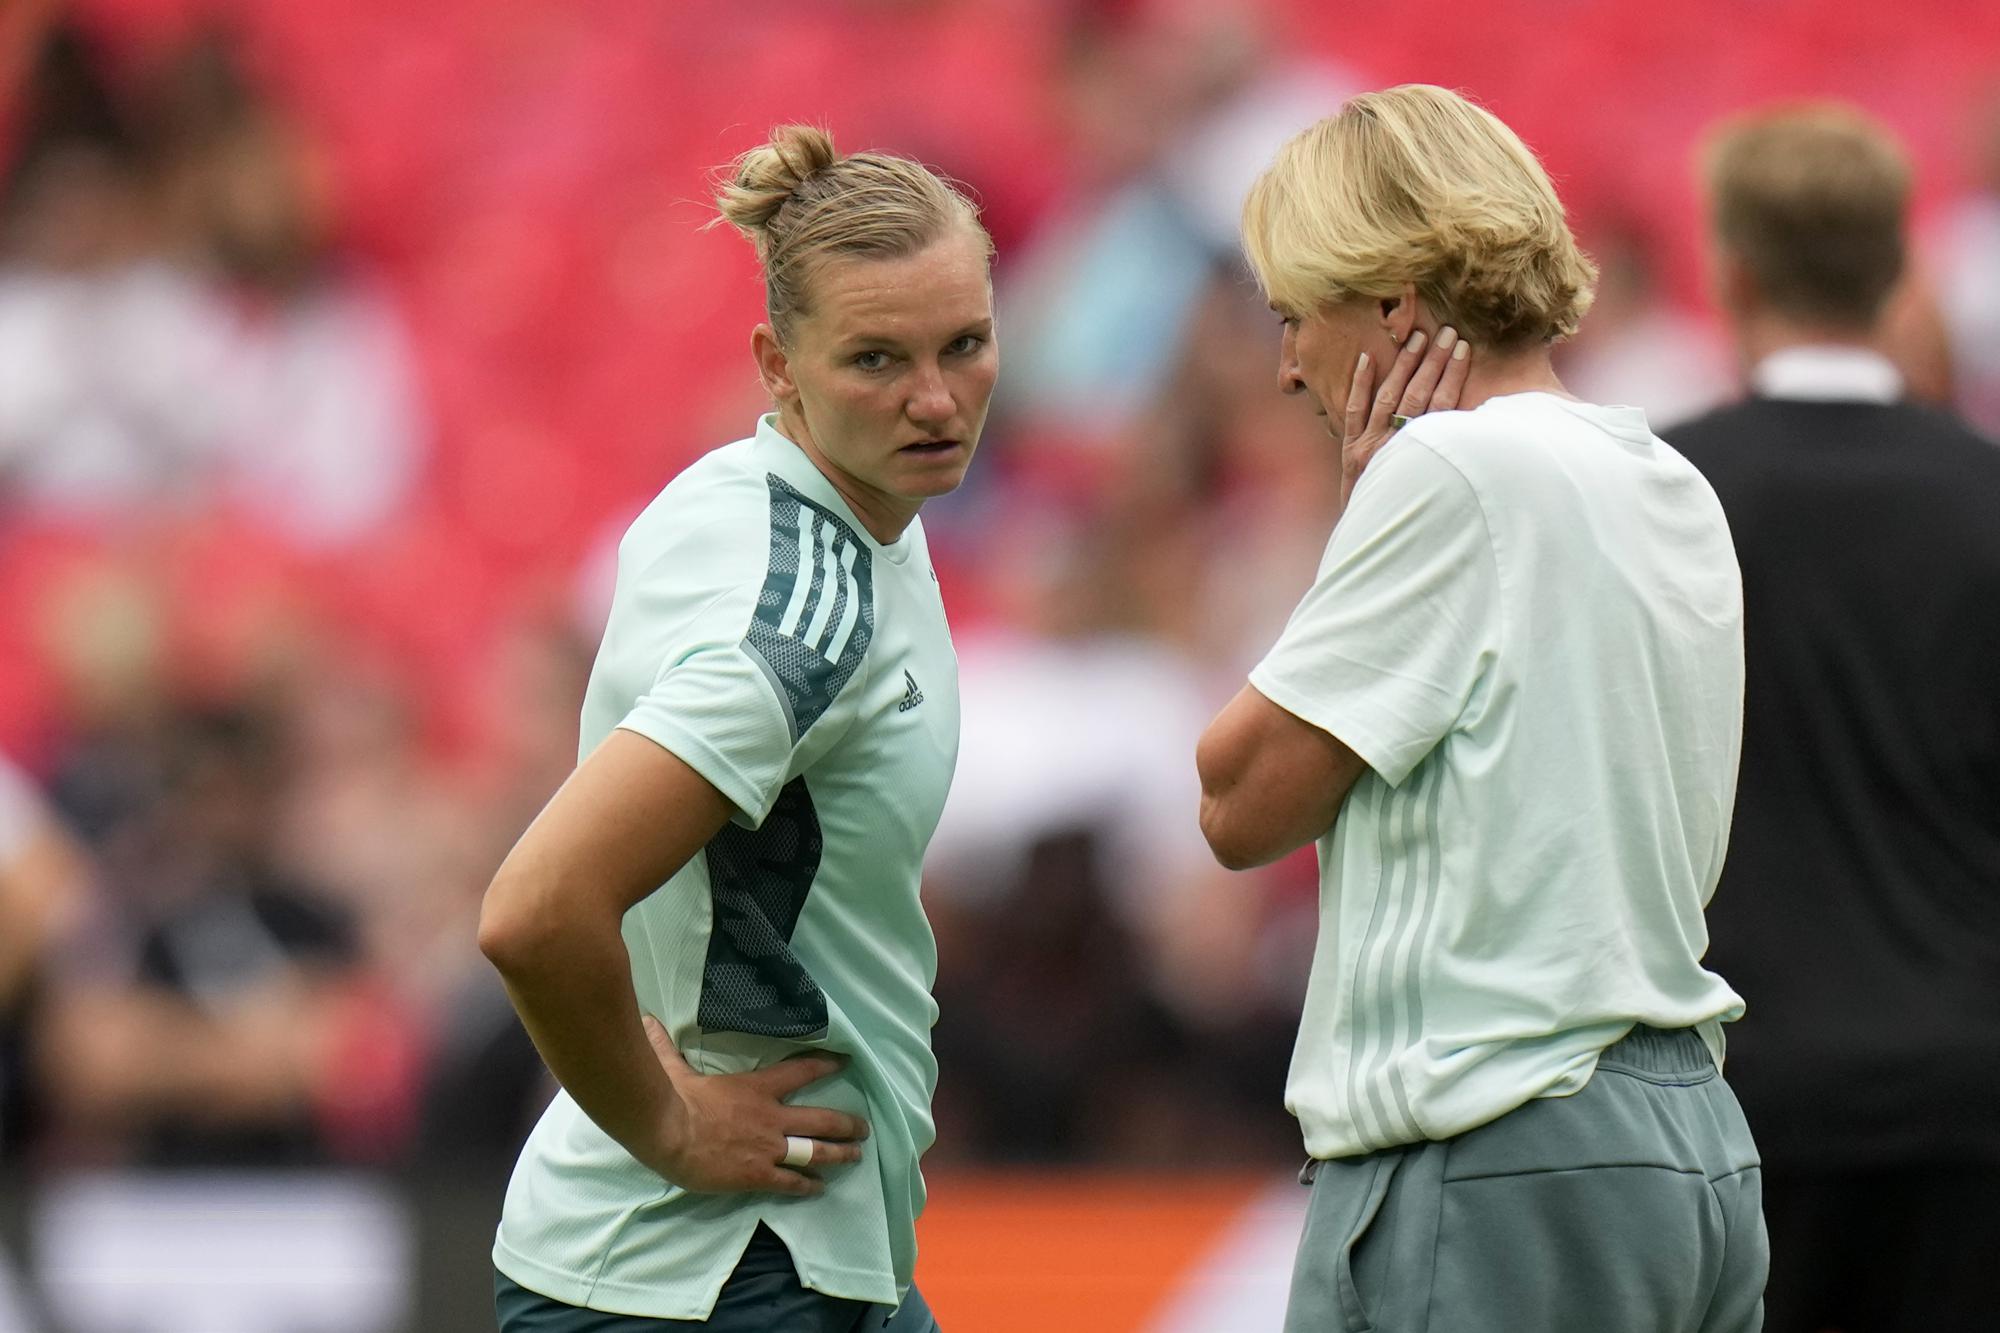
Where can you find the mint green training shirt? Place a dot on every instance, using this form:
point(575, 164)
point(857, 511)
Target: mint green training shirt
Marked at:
point(762, 635)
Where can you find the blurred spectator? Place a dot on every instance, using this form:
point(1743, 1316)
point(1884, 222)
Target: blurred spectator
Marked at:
point(367, 819)
point(1915, 339)
point(104, 347)
point(1115, 1075)
point(1859, 906)
point(41, 901)
point(321, 430)
point(1965, 252)
point(105, 637)
point(1636, 348)
point(1112, 624)
point(1068, 884)
point(486, 1084)
point(1175, 106)
point(1259, 481)
point(218, 1012)
point(174, 328)
point(1077, 718)
point(1051, 957)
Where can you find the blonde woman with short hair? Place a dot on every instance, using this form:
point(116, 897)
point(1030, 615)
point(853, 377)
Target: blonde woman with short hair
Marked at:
point(713, 932)
point(1508, 711)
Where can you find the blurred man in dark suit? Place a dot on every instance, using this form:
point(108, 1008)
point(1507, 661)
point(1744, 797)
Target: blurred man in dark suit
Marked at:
point(1859, 911)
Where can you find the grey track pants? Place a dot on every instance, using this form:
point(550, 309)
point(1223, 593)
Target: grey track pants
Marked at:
point(1631, 1207)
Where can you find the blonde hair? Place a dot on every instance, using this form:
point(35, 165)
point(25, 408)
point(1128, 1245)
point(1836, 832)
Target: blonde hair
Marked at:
point(1416, 184)
point(801, 203)
point(1812, 198)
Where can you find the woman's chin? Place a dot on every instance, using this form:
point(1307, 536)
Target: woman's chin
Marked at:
point(934, 476)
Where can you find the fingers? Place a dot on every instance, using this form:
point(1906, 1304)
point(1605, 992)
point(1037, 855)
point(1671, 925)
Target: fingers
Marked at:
point(804, 1180)
point(786, 1077)
point(831, 1154)
point(819, 1122)
point(1359, 392)
point(1420, 395)
point(784, 1180)
point(1453, 384)
point(1399, 375)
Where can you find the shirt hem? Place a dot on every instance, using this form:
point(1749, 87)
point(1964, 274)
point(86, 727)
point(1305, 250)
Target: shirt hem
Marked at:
point(705, 759)
point(1370, 748)
point(658, 1301)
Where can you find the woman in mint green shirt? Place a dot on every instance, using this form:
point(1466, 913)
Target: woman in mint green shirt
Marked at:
point(719, 911)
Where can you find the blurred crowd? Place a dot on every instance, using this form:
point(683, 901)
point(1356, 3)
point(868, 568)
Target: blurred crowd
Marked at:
point(291, 648)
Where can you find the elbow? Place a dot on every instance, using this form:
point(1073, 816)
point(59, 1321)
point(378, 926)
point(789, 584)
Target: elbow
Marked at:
point(1230, 822)
point(511, 933)
point(499, 934)
point(1225, 839)
point(1237, 858)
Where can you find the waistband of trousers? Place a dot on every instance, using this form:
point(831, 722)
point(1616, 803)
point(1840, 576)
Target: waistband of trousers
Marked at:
point(1654, 1050)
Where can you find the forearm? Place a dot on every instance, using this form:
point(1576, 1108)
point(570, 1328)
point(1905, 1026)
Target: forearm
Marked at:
point(1270, 783)
point(626, 821)
point(574, 994)
point(1245, 832)
point(118, 1055)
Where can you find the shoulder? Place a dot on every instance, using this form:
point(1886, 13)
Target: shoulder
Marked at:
point(1477, 456)
point(1421, 481)
point(1910, 437)
point(1429, 449)
point(722, 479)
point(793, 511)
point(697, 554)
point(1950, 433)
point(716, 514)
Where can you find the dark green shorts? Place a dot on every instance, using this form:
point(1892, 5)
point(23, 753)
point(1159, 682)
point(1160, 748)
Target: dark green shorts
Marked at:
point(763, 1295)
point(1634, 1205)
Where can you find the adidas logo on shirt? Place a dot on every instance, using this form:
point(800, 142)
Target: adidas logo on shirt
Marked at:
point(911, 696)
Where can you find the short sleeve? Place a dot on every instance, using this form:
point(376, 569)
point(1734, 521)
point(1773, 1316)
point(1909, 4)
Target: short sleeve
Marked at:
point(750, 648)
point(1387, 647)
point(715, 711)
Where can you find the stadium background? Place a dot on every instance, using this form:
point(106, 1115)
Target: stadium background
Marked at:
point(337, 343)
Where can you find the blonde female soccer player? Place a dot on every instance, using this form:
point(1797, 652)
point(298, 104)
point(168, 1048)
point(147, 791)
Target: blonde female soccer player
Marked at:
point(713, 931)
point(1509, 711)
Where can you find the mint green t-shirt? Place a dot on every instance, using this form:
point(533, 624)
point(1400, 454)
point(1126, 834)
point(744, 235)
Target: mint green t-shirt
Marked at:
point(762, 635)
point(1529, 624)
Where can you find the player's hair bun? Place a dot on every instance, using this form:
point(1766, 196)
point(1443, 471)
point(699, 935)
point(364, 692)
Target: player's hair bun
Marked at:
point(800, 203)
point(764, 179)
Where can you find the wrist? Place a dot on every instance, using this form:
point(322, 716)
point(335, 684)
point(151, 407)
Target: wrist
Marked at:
point(661, 1141)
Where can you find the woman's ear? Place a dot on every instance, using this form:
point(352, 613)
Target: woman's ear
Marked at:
point(1399, 314)
point(774, 365)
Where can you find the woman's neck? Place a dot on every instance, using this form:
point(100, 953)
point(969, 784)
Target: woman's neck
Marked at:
point(885, 516)
point(1495, 375)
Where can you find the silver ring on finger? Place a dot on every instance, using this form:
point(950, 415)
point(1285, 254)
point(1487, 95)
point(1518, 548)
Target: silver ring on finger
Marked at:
point(798, 1151)
point(1397, 421)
